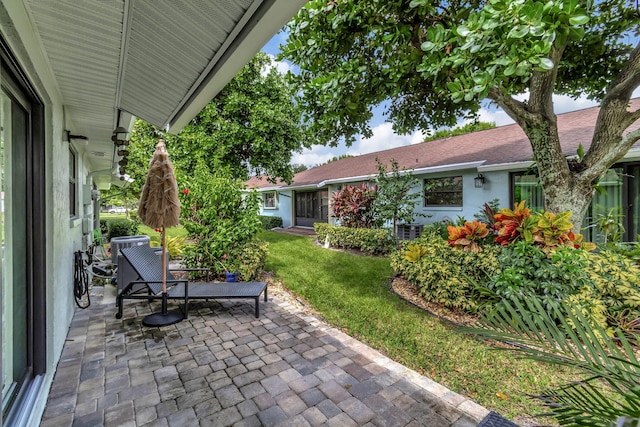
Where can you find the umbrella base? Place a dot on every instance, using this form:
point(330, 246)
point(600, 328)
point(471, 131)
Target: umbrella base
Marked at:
point(163, 319)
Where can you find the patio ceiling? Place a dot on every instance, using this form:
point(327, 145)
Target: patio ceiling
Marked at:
point(159, 60)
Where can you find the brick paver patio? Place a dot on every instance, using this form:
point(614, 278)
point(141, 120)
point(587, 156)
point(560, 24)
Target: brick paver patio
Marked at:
point(223, 366)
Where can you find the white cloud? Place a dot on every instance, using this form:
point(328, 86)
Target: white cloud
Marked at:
point(383, 139)
point(317, 155)
point(281, 66)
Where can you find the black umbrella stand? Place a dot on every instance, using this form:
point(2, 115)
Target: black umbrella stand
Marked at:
point(164, 317)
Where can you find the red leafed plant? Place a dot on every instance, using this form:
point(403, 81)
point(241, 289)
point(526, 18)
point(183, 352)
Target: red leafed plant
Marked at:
point(467, 236)
point(353, 206)
point(514, 224)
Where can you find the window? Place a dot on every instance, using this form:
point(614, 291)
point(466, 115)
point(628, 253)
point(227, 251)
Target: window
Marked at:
point(443, 191)
point(609, 200)
point(269, 200)
point(73, 183)
point(526, 186)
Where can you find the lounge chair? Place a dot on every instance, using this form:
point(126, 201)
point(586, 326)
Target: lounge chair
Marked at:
point(147, 265)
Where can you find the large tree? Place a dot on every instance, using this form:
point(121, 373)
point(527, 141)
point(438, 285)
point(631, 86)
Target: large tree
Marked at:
point(436, 61)
point(251, 127)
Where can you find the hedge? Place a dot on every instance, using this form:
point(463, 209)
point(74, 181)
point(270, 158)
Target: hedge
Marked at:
point(368, 240)
point(269, 222)
point(121, 227)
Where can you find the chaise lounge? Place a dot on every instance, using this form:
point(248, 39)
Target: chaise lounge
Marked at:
point(147, 265)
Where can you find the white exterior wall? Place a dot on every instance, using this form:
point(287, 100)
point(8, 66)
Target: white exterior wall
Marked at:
point(62, 235)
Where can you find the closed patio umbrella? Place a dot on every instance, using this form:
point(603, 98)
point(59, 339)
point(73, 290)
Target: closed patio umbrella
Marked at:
point(160, 208)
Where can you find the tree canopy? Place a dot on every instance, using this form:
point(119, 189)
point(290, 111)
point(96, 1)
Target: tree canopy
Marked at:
point(436, 61)
point(251, 127)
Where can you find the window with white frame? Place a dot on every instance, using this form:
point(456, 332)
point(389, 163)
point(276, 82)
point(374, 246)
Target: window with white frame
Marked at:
point(446, 191)
point(269, 200)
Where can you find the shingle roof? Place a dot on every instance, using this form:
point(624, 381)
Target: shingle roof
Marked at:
point(504, 144)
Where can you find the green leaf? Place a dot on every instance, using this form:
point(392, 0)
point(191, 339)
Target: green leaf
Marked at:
point(579, 20)
point(546, 64)
point(518, 32)
point(463, 31)
point(427, 46)
point(510, 70)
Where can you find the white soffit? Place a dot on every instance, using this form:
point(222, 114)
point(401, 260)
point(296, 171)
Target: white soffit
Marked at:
point(159, 60)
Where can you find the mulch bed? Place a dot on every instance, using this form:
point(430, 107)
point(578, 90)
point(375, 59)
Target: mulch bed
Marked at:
point(409, 292)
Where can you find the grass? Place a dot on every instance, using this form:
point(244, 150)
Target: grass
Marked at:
point(352, 293)
point(177, 231)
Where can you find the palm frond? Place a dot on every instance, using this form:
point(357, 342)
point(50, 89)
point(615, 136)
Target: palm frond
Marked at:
point(563, 335)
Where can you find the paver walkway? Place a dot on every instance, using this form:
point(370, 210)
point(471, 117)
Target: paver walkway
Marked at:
point(223, 366)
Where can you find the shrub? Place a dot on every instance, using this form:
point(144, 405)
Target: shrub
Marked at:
point(368, 240)
point(604, 286)
point(175, 245)
point(527, 270)
point(353, 206)
point(251, 259)
point(104, 226)
point(121, 227)
point(443, 274)
point(269, 222)
point(219, 216)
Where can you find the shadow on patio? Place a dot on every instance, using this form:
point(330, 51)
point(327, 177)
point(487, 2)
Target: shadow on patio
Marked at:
point(223, 366)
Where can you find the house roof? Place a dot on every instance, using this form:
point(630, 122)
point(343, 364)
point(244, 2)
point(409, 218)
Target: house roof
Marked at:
point(482, 150)
point(161, 60)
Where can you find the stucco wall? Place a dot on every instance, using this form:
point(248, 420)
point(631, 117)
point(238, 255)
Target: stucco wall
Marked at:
point(284, 208)
point(496, 186)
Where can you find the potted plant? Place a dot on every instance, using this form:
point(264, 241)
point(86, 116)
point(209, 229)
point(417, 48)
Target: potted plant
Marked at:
point(230, 268)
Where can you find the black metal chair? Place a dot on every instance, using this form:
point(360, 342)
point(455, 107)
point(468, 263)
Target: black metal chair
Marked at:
point(147, 265)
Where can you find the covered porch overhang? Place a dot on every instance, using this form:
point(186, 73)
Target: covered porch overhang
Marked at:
point(161, 61)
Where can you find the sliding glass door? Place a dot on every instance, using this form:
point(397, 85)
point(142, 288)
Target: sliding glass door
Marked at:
point(22, 228)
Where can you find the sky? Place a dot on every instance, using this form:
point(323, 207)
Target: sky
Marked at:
point(383, 136)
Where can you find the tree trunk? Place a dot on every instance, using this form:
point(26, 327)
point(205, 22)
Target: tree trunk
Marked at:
point(563, 187)
point(576, 198)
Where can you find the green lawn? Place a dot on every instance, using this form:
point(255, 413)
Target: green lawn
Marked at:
point(177, 231)
point(352, 293)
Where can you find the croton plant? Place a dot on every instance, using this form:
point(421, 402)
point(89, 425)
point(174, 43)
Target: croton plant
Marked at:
point(467, 236)
point(545, 229)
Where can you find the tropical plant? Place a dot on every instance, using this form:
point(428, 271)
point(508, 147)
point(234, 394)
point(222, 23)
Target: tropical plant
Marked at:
point(175, 245)
point(353, 206)
point(220, 216)
point(609, 226)
point(394, 200)
point(545, 229)
point(430, 63)
point(442, 274)
point(608, 394)
point(514, 224)
point(487, 213)
point(468, 236)
point(414, 252)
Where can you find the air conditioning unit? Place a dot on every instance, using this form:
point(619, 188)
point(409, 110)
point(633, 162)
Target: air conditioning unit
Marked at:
point(409, 231)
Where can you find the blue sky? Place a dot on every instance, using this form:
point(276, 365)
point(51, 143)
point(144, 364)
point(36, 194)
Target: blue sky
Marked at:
point(383, 136)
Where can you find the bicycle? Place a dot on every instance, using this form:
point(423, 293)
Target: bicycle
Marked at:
point(93, 263)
